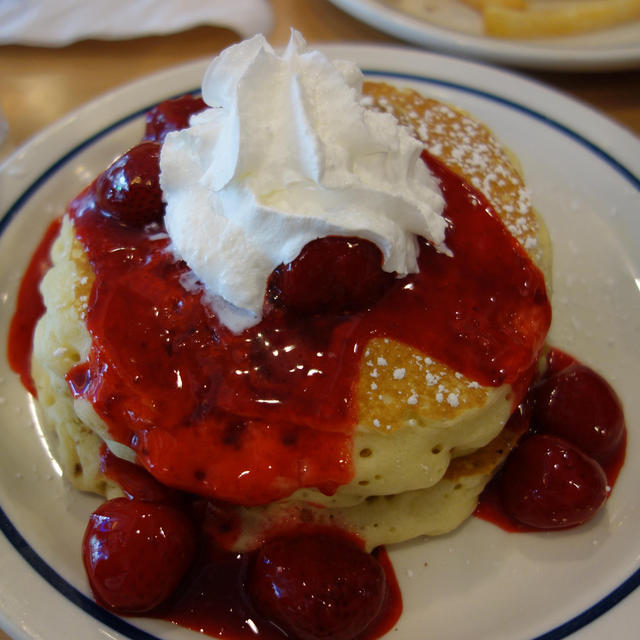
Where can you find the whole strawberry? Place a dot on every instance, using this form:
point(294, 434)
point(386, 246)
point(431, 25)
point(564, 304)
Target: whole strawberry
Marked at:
point(318, 587)
point(549, 483)
point(331, 275)
point(129, 190)
point(135, 553)
point(579, 405)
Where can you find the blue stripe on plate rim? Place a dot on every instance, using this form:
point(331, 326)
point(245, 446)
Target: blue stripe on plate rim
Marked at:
point(134, 633)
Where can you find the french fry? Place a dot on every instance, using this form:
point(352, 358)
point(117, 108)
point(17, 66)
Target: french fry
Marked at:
point(481, 4)
point(558, 19)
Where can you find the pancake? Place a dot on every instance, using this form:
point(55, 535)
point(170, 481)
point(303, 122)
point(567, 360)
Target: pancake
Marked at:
point(428, 438)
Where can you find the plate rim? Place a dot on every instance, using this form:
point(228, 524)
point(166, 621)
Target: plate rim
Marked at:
point(630, 584)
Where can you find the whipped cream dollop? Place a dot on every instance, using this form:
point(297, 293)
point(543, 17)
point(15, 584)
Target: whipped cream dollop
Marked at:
point(286, 154)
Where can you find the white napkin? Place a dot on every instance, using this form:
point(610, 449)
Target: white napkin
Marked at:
point(60, 22)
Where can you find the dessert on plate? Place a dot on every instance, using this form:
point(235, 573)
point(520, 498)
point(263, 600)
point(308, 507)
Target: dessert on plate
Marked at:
point(299, 320)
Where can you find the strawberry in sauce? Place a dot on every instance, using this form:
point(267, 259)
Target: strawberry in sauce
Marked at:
point(318, 586)
point(136, 553)
point(331, 274)
point(129, 190)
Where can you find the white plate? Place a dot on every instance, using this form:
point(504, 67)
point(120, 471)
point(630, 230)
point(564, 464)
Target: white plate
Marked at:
point(478, 582)
point(451, 27)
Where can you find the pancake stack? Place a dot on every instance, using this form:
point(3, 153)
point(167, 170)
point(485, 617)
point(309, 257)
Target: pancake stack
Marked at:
point(428, 438)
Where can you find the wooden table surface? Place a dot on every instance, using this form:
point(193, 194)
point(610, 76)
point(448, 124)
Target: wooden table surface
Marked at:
point(38, 85)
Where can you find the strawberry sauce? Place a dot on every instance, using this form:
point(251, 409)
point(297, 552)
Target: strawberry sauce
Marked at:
point(250, 418)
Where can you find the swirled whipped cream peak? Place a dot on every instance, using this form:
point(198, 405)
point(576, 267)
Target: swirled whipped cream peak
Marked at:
point(287, 154)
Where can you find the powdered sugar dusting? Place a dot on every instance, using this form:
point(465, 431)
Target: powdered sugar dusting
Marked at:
point(399, 384)
point(472, 151)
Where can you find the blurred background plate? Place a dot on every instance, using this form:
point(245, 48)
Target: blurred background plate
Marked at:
point(453, 28)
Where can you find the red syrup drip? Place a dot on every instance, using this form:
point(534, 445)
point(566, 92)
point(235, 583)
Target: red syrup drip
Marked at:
point(490, 506)
point(250, 418)
point(29, 309)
